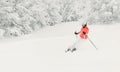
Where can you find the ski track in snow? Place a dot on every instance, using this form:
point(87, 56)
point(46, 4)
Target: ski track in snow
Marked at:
point(44, 51)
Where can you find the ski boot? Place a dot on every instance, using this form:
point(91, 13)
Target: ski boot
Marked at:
point(68, 50)
point(74, 49)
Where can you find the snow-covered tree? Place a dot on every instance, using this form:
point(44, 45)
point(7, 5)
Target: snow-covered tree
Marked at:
point(104, 11)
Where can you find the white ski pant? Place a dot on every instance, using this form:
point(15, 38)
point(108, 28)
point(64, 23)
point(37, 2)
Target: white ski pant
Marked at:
point(77, 43)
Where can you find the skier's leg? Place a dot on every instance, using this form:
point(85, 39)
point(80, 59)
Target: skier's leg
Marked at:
point(79, 42)
point(73, 46)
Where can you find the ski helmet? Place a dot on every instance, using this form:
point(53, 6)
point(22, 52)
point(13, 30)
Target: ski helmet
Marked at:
point(84, 25)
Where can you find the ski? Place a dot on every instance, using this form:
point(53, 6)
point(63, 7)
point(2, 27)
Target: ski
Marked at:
point(70, 50)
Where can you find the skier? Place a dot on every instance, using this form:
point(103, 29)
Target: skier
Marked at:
point(83, 35)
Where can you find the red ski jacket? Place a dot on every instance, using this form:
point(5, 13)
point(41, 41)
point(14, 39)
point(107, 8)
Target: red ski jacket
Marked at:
point(84, 32)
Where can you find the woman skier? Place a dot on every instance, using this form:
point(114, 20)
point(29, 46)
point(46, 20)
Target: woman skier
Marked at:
point(83, 34)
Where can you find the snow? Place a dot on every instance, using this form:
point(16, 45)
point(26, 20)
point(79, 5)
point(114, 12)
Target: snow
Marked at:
point(43, 51)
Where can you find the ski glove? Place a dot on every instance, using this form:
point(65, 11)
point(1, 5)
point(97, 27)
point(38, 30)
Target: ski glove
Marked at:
point(75, 33)
point(84, 33)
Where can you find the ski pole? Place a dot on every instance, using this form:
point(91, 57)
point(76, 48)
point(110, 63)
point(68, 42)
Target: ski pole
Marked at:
point(92, 43)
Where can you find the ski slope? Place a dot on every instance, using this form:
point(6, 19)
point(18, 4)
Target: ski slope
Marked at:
point(44, 51)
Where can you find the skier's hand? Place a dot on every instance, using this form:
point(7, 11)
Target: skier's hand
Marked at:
point(84, 33)
point(75, 33)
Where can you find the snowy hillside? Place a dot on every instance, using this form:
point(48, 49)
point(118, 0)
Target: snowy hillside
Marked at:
point(43, 51)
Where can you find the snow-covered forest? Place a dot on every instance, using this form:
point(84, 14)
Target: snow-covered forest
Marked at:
point(20, 17)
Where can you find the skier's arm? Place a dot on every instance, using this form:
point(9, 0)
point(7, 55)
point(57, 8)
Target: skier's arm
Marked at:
point(77, 32)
